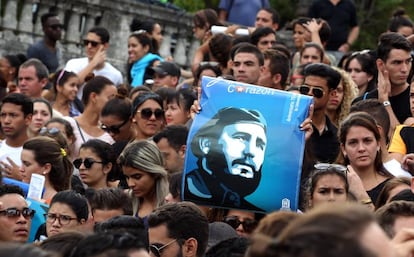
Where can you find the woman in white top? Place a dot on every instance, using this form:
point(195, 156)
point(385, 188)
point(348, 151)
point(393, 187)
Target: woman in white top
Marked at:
point(96, 93)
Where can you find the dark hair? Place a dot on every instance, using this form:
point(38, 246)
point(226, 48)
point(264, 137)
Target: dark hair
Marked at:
point(274, 13)
point(338, 226)
point(119, 107)
point(10, 189)
point(142, 98)
point(279, 63)
point(324, 32)
point(62, 243)
point(388, 186)
point(389, 41)
point(176, 136)
point(41, 71)
point(61, 77)
point(96, 85)
point(102, 33)
point(313, 45)
point(365, 120)
point(46, 16)
point(143, 38)
point(324, 71)
point(66, 124)
point(399, 19)
point(251, 49)
point(183, 221)
point(203, 67)
point(367, 62)
point(111, 199)
point(220, 46)
point(47, 150)
point(23, 250)
point(259, 33)
point(137, 24)
point(232, 247)
point(102, 149)
point(183, 97)
point(377, 111)
point(77, 202)
point(175, 183)
point(19, 99)
point(97, 244)
point(389, 213)
point(274, 223)
point(206, 18)
point(14, 61)
point(124, 224)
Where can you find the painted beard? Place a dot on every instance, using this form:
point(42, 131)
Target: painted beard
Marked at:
point(216, 162)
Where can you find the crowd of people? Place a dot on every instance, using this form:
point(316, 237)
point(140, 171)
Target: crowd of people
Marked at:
point(110, 149)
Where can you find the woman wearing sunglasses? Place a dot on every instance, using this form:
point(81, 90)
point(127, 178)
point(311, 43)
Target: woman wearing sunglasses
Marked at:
point(96, 93)
point(147, 115)
point(43, 155)
point(360, 150)
point(68, 211)
point(244, 222)
point(143, 167)
point(116, 119)
point(96, 160)
point(327, 183)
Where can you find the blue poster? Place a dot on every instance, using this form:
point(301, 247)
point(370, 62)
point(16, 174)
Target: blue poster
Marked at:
point(245, 147)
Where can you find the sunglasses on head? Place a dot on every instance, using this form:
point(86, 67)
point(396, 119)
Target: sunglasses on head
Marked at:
point(87, 162)
point(156, 249)
point(51, 131)
point(248, 224)
point(86, 42)
point(316, 91)
point(326, 166)
point(56, 26)
point(14, 213)
point(115, 129)
point(147, 113)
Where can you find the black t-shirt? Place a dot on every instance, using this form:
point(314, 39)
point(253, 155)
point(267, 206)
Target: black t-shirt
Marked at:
point(407, 135)
point(400, 103)
point(341, 18)
point(325, 146)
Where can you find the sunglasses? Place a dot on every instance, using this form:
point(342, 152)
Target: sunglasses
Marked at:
point(326, 166)
point(63, 219)
point(15, 213)
point(248, 224)
point(156, 249)
point(86, 42)
point(87, 162)
point(113, 129)
point(51, 131)
point(316, 91)
point(146, 113)
point(56, 26)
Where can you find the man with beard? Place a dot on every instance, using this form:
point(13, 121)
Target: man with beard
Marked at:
point(230, 150)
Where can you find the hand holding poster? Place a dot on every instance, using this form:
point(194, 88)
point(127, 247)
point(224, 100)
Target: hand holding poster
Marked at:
point(245, 148)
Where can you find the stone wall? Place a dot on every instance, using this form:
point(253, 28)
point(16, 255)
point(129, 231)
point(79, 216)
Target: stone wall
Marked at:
point(17, 30)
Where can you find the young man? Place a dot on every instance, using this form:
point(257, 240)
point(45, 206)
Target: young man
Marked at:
point(263, 38)
point(172, 142)
point(247, 64)
point(33, 77)
point(15, 116)
point(267, 17)
point(179, 230)
point(15, 215)
point(166, 74)
point(275, 69)
point(46, 50)
point(320, 80)
point(96, 45)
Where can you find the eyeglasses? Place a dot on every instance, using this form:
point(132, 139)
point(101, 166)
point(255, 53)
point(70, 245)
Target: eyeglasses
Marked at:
point(63, 219)
point(87, 162)
point(86, 42)
point(146, 113)
point(248, 224)
point(156, 249)
point(113, 129)
point(15, 213)
point(316, 91)
point(56, 26)
point(52, 131)
point(326, 166)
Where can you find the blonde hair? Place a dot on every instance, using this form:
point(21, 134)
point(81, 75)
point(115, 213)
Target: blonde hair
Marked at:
point(145, 156)
point(350, 92)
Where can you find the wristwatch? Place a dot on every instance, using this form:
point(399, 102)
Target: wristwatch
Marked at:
point(386, 103)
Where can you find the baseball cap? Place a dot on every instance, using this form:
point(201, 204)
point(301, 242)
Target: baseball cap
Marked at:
point(220, 231)
point(167, 68)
